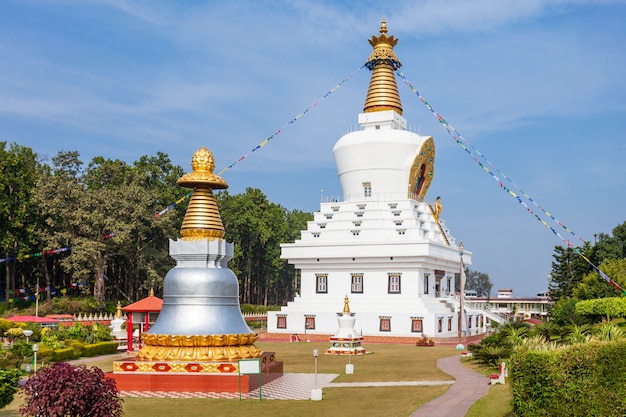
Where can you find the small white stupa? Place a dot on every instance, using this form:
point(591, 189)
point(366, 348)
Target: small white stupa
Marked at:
point(117, 332)
point(346, 341)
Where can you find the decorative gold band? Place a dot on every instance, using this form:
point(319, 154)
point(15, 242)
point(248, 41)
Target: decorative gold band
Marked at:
point(198, 353)
point(199, 341)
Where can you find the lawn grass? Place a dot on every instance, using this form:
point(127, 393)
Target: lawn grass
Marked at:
point(392, 362)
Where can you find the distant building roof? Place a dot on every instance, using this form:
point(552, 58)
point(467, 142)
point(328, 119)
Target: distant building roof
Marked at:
point(149, 304)
point(31, 319)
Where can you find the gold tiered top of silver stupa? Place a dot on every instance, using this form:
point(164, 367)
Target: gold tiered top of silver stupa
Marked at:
point(382, 93)
point(202, 219)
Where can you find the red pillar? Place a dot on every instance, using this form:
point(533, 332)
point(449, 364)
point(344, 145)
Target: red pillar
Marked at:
point(129, 332)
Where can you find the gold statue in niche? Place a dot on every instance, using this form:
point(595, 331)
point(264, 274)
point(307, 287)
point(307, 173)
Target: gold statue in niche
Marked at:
point(422, 170)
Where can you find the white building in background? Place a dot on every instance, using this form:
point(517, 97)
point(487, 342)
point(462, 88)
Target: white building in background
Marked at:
point(383, 244)
point(510, 307)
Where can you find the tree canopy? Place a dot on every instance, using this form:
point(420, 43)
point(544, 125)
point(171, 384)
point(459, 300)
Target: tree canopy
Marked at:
point(479, 282)
point(96, 228)
point(573, 278)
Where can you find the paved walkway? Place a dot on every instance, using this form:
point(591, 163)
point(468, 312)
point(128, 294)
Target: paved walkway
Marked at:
point(468, 388)
point(465, 390)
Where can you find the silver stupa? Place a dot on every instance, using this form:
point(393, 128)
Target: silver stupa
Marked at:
point(201, 319)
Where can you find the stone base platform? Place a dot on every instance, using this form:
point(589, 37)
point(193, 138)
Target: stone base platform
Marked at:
point(342, 346)
point(135, 375)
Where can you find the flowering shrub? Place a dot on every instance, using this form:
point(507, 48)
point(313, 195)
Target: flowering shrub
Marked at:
point(425, 341)
point(66, 390)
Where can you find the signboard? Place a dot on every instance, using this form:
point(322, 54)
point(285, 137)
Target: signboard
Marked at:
point(248, 367)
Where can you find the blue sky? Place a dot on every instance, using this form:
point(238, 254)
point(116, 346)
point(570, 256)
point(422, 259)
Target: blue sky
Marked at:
point(537, 86)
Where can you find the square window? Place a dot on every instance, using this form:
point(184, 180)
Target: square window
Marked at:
point(367, 189)
point(385, 324)
point(417, 325)
point(357, 283)
point(394, 284)
point(322, 283)
point(281, 322)
point(309, 322)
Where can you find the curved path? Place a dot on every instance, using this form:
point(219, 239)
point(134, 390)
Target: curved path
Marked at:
point(468, 388)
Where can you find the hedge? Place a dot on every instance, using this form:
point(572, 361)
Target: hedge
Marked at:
point(581, 380)
point(602, 307)
point(100, 348)
point(76, 350)
point(64, 354)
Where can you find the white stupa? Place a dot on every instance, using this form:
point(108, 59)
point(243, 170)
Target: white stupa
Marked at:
point(383, 242)
point(346, 341)
point(117, 332)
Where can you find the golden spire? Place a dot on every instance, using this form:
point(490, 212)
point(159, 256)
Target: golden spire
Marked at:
point(118, 310)
point(202, 219)
point(383, 91)
point(346, 305)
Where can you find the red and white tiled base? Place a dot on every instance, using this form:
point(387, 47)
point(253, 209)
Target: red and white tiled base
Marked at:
point(136, 375)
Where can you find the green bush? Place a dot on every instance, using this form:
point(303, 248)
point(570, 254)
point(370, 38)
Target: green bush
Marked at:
point(9, 379)
point(64, 354)
point(582, 380)
point(100, 348)
point(77, 346)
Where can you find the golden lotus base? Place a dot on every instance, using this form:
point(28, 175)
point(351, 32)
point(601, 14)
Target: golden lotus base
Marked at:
point(198, 353)
point(204, 348)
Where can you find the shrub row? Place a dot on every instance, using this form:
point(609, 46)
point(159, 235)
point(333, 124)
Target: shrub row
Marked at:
point(581, 380)
point(77, 350)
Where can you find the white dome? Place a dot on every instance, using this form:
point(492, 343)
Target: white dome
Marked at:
point(379, 157)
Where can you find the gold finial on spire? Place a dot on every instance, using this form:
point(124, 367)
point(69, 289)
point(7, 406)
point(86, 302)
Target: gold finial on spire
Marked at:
point(202, 219)
point(383, 91)
point(151, 292)
point(346, 305)
point(383, 26)
point(118, 310)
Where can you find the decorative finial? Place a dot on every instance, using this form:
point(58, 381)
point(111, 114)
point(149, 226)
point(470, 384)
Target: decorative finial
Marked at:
point(151, 292)
point(202, 219)
point(383, 91)
point(346, 305)
point(383, 26)
point(118, 310)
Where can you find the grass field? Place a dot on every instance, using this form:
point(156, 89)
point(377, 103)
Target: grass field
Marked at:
point(382, 363)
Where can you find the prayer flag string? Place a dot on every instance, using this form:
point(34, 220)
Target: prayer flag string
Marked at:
point(171, 206)
point(292, 121)
point(46, 252)
point(458, 138)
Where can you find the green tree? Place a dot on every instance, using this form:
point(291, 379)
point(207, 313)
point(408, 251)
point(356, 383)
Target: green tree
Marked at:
point(479, 282)
point(257, 227)
point(18, 167)
point(594, 286)
point(568, 269)
point(95, 212)
point(612, 246)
